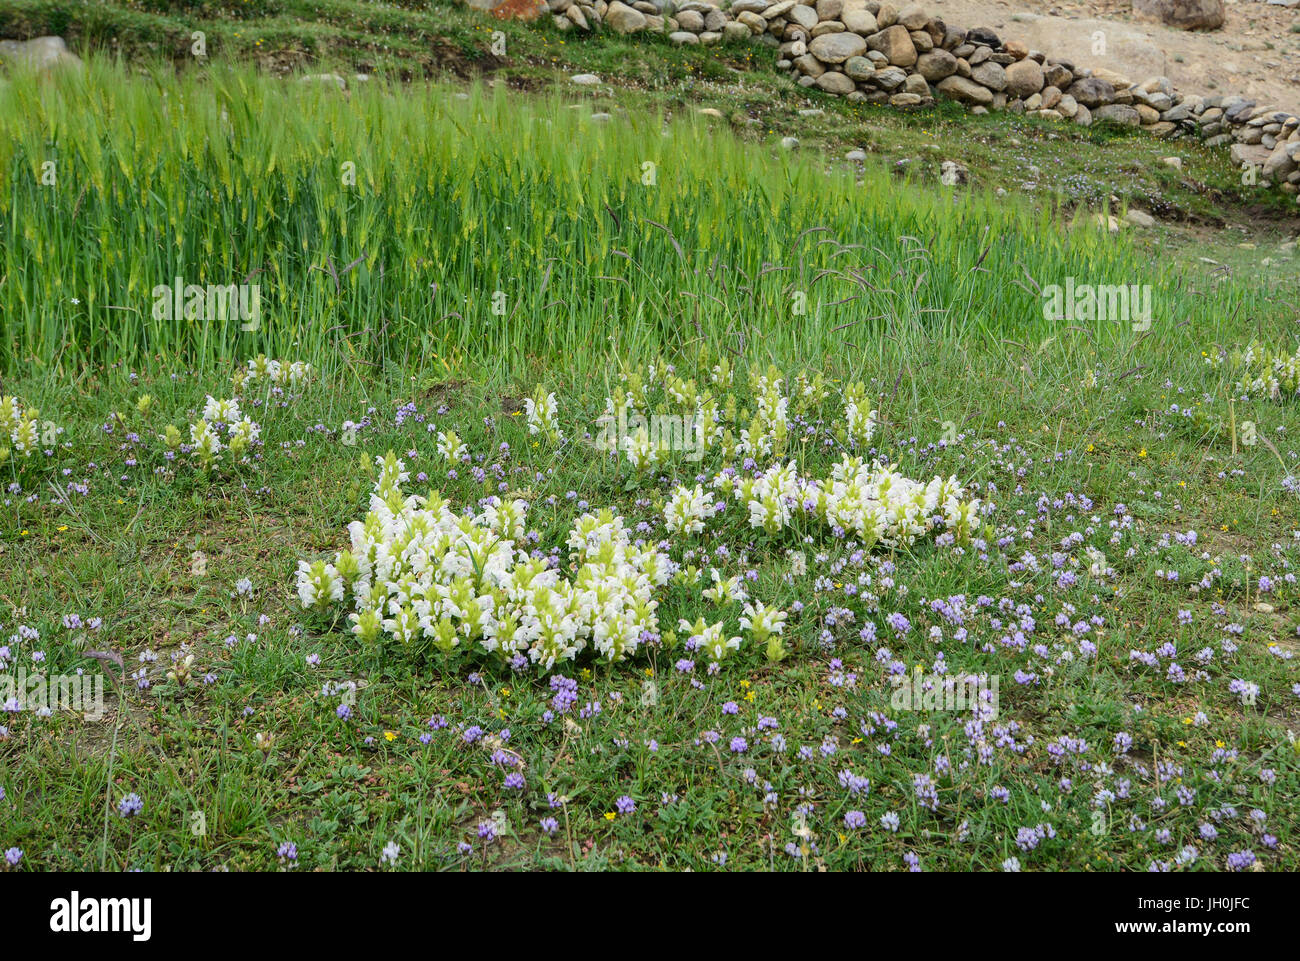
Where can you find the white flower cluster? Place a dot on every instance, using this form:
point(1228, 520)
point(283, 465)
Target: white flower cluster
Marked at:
point(280, 373)
point(423, 575)
point(19, 427)
point(543, 415)
point(880, 505)
point(1261, 371)
point(859, 416)
point(768, 430)
point(221, 428)
point(875, 504)
point(688, 509)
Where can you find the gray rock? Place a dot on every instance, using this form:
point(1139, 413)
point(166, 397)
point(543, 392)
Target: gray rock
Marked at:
point(736, 31)
point(953, 174)
point(890, 78)
point(809, 65)
point(1119, 113)
point(690, 20)
point(859, 68)
point(621, 18)
point(965, 91)
point(990, 75)
point(913, 16)
point(329, 79)
point(1184, 14)
point(832, 81)
point(1024, 77)
point(916, 84)
point(861, 22)
point(41, 53)
point(1092, 92)
point(1055, 75)
point(936, 65)
point(896, 44)
point(804, 16)
point(837, 47)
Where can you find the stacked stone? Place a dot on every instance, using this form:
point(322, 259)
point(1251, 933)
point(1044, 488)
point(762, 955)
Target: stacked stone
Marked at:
point(867, 51)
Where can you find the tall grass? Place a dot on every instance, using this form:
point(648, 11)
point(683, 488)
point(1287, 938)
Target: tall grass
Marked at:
point(486, 229)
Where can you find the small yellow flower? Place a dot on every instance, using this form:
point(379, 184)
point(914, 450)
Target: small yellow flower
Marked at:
point(610, 815)
point(64, 527)
point(390, 735)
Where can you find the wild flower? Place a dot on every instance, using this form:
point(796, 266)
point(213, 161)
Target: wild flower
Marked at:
point(20, 430)
point(688, 509)
point(542, 414)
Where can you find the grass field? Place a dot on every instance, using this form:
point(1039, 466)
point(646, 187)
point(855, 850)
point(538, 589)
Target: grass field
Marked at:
point(1111, 565)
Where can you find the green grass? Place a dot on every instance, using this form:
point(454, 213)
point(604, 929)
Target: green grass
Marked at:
point(497, 231)
point(929, 296)
point(341, 790)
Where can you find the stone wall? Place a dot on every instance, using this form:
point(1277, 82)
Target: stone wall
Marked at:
point(876, 53)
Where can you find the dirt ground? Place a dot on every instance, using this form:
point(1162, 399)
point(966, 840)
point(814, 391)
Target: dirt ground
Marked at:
point(1254, 54)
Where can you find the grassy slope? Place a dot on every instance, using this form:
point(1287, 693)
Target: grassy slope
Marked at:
point(342, 790)
point(427, 39)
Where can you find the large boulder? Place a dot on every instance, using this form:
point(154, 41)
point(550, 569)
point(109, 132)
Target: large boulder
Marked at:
point(832, 81)
point(965, 91)
point(1092, 92)
point(623, 19)
point(936, 65)
point(1119, 113)
point(991, 75)
point(43, 53)
point(1184, 14)
point(837, 47)
point(1024, 78)
point(860, 21)
point(896, 44)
